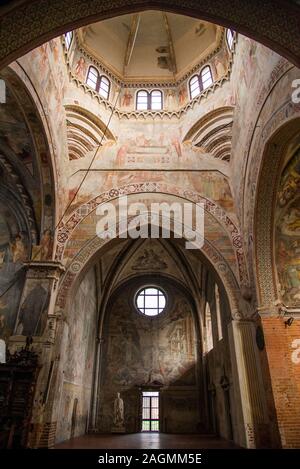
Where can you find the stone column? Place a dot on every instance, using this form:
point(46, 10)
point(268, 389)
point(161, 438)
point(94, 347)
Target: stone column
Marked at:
point(93, 424)
point(251, 409)
point(36, 318)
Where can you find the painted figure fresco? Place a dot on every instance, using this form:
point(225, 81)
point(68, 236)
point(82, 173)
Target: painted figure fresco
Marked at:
point(146, 352)
point(288, 233)
point(13, 253)
point(33, 312)
point(138, 353)
point(81, 68)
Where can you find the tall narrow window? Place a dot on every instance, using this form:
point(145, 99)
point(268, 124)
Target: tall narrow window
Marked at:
point(98, 82)
point(93, 78)
point(218, 311)
point(156, 100)
point(208, 330)
point(194, 86)
point(230, 37)
point(104, 87)
point(68, 38)
point(206, 77)
point(150, 416)
point(142, 100)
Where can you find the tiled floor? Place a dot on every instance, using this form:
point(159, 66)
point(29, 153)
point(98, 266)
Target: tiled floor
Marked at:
point(145, 441)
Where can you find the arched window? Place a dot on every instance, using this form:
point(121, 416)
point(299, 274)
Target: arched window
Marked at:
point(230, 37)
point(200, 82)
point(104, 87)
point(206, 77)
point(209, 344)
point(156, 100)
point(93, 78)
point(68, 38)
point(218, 311)
point(142, 100)
point(98, 82)
point(146, 101)
point(194, 86)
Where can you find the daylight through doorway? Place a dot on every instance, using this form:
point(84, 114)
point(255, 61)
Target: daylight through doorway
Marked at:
point(150, 418)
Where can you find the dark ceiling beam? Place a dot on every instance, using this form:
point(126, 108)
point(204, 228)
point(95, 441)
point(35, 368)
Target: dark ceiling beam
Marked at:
point(27, 24)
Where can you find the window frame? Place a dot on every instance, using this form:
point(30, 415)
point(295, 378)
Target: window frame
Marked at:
point(141, 309)
point(201, 83)
point(137, 99)
point(99, 80)
point(201, 77)
point(102, 78)
point(149, 100)
point(152, 395)
point(209, 336)
point(199, 86)
point(68, 41)
point(230, 38)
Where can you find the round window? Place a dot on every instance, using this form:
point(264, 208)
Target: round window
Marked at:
point(150, 301)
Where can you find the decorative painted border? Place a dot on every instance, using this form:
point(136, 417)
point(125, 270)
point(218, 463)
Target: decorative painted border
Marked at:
point(66, 228)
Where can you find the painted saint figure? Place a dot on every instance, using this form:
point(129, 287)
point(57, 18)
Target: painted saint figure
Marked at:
point(46, 245)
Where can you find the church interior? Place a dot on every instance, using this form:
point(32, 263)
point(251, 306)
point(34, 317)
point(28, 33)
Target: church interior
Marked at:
point(114, 337)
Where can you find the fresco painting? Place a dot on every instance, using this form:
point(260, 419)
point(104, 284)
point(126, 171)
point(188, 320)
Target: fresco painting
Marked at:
point(32, 317)
point(288, 233)
point(130, 358)
point(14, 250)
point(79, 358)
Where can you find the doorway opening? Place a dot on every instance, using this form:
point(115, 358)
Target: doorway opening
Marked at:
point(150, 411)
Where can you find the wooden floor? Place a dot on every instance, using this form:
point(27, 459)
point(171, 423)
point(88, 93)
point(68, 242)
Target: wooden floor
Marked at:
point(145, 441)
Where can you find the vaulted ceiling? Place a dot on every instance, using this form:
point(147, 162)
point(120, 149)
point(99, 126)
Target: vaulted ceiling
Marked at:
point(151, 44)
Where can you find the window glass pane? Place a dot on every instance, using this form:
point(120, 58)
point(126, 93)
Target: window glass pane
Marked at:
point(68, 38)
point(142, 101)
point(92, 77)
point(150, 411)
point(156, 100)
point(104, 87)
point(151, 301)
point(194, 86)
point(206, 77)
point(208, 332)
point(230, 36)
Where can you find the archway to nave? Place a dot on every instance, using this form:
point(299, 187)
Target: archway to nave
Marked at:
point(108, 347)
point(211, 351)
point(271, 23)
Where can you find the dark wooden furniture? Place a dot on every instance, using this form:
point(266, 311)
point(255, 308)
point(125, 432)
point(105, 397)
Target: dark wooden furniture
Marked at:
point(17, 386)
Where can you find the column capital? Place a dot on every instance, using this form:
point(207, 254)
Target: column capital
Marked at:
point(45, 269)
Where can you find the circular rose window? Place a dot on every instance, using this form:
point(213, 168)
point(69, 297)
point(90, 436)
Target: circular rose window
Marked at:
point(150, 301)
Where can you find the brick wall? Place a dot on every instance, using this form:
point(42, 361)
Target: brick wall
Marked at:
point(285, 376)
